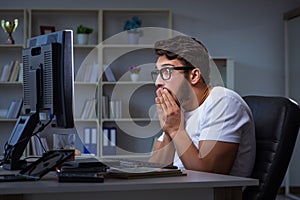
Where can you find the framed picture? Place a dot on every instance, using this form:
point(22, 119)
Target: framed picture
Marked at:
point(47, 29)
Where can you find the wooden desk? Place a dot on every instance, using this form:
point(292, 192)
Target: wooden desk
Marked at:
point(196, 185)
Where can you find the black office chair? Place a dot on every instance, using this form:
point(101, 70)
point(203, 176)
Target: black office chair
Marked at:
point(277, 121)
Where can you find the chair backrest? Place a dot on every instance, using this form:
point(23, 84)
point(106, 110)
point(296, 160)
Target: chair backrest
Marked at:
point(277, 121)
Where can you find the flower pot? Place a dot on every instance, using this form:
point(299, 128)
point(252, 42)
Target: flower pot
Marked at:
point(82, 38)
point(134, 77)
point(133, 38)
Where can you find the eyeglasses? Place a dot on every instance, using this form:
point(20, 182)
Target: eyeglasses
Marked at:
point(165, 72)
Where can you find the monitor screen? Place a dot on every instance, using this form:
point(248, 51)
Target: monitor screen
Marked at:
point(48, 85)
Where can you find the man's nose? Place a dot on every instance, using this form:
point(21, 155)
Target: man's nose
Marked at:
point(159, 81)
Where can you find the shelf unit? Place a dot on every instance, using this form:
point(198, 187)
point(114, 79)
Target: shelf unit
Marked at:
point(106, 23)
point(226, 70)
point(10, 91)
point(138, 126)
point(62, 19)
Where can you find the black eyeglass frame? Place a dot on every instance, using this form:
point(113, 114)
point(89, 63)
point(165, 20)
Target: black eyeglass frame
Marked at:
point(154, 73)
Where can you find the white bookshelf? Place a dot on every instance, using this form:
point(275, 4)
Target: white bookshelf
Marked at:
point(137, 126)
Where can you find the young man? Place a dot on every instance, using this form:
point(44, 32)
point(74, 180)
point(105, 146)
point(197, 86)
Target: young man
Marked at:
point(205, 128)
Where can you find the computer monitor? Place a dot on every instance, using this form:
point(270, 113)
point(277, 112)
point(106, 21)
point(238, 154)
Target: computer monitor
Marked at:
point(48, 85)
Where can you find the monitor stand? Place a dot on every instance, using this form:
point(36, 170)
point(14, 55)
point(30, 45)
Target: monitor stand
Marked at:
point(18, 141)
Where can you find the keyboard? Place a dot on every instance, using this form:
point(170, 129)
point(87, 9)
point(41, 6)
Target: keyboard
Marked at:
point(133, 163)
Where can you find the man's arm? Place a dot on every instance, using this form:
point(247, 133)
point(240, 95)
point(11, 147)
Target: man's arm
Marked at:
point(212, 156)
point(164, 151)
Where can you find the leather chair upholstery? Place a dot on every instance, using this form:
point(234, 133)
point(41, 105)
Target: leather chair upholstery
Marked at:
point(277, 122)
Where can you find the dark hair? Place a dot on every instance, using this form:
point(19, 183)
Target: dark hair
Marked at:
point(188, 50)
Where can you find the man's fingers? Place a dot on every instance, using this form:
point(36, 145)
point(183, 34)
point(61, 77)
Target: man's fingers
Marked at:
point(168, 98)
point(165, 99)
point(157, 100)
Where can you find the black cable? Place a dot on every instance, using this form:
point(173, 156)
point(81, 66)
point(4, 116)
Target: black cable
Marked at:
point(43, 126)
point(7, 151)
point(41, 143)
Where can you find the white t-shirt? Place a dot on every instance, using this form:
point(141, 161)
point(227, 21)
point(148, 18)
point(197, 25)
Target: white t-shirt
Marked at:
point(223, 116)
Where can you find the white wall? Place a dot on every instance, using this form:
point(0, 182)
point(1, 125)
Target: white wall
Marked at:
point(251, 32)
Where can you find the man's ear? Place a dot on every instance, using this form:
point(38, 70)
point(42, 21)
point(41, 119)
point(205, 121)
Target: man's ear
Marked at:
point(195, 76)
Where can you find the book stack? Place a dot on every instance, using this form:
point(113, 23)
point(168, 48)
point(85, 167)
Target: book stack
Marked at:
point(39, 147)
point(11, 72)
point(115, 109)
point(89, 109)
point(88, 73)
point(111, 108)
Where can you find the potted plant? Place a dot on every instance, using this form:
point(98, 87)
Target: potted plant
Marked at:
point(132, 27)
point(83, 33)
point(134, 73)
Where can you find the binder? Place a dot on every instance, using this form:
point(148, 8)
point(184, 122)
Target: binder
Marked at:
point(90, 140)
point(109, 141)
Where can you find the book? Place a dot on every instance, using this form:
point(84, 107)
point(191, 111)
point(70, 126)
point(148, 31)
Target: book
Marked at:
point(93, 142)
point(143, 172)
point(6, 71)
point(92, 109)
point(109, 74)
point(81, 75)
point(33, 146)
point(94, 73)
point(11, 108)
point(15, 71)
point(89, 72)
point(115, 108)
point(105, 107)
point(17, 108)
point(105, 132)
point(20, 76)
point(113, 136)
point(89, 109)
point(14, 109)
point(86, 139)
point(3, 113)
point(45, 144)
point(38, 146)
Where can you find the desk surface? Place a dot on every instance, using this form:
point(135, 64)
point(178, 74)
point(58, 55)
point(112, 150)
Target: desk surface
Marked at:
point(49, 184)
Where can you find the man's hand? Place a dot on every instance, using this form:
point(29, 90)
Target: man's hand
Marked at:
point(169, 112)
